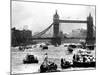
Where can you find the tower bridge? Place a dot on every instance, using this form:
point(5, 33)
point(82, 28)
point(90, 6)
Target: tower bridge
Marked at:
point(57, 40)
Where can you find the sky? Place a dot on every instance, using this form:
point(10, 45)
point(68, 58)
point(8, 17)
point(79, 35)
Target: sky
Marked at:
point(38, 16)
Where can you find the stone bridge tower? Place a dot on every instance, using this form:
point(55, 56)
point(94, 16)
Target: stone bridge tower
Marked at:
point(90, 38)
point(57, 40)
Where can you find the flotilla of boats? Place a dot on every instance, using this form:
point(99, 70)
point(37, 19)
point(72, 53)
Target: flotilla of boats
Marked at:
point(82, 58)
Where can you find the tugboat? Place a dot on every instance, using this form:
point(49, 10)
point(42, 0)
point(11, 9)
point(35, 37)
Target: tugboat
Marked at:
point(84, 60)
point(48, 66)
point(30, 59)
point(65, 64)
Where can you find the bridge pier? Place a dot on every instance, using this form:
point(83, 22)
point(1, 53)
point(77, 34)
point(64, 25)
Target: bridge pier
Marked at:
point(56, 41)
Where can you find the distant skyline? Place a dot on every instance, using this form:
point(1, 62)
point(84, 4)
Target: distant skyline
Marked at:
point(38, 16)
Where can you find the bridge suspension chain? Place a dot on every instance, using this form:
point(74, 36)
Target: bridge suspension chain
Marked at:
point(43, 32)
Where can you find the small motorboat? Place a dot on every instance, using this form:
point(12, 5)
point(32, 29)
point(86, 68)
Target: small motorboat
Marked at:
point(65, 64)
point(70, 50)
point(45, 47)
point(30, 59)
point(21, 48)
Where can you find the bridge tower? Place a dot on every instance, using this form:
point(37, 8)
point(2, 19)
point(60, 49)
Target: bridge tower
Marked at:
point(90, 39)
point(56, 38)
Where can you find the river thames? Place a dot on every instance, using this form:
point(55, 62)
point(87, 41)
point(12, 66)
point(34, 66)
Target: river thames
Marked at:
point(54, 54)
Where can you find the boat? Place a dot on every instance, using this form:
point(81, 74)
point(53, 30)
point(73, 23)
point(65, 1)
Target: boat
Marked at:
point(65, 64)
point(84, 59)
point(48, 66)
point(30, 59)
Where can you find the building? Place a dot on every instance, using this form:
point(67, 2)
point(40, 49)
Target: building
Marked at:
point(20, 37)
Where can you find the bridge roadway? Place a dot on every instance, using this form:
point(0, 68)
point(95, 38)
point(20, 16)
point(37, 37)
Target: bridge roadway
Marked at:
point(63, 40)
point(72, 21)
